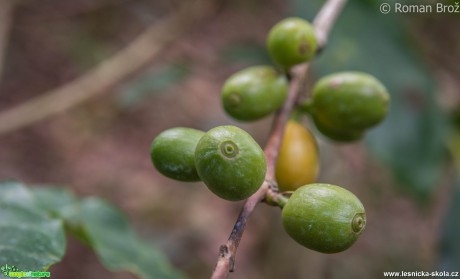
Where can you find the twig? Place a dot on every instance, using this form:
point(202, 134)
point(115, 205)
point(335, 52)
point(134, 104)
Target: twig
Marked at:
point(6, 12)
point(323, 23)
point(109, 73)
point(325, 19)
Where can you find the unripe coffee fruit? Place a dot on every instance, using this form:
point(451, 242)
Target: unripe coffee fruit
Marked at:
point(230, 163)
point(292, 41)
point(324, 217)
point(173, 153)
point(336, 133)
point(253, 93)
point(349, 101)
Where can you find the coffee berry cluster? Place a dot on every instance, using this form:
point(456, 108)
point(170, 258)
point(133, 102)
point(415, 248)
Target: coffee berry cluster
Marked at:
point(343, 106)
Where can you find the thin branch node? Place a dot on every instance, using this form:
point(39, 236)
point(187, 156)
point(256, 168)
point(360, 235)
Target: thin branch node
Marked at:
point(223, 251)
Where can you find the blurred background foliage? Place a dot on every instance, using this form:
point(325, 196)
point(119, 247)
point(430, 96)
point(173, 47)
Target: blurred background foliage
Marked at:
point(404, 171)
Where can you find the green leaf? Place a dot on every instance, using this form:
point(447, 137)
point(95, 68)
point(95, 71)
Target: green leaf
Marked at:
point(410, 141)
point(449, 259)
point(13, 192)
point(56, 201)
point(29, 239)
point(61, 203)
point(107, 231)
point(32, 232)
point(117, 245)
point(151, 82)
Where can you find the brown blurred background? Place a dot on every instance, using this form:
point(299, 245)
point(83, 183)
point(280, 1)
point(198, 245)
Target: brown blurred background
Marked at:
point(100, 145)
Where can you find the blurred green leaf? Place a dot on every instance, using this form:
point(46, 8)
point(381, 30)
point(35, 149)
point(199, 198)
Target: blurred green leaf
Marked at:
point(117, 245)
point(449, 259)
point(106, 230)
point(61, 203)
point(54, 200)
point(410, 141)
point(32, 232)
point(29, 239)
point(150, 83)
point(249, 53)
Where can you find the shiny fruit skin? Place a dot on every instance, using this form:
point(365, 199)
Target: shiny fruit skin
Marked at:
point(298, 159)
point(337, 134)
point(173, 153)
point(230, 163)
point(253, 93)
point(324, 217)
point(292, 41)
point(349, 101)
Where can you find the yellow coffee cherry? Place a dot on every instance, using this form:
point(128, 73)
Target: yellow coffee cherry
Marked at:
point(298, 159)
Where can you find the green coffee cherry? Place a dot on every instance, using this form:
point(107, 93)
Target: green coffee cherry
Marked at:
point(230, 162)
point(324, 218)
point(348, 102)
point(292, 41)
point(336, 133)
point(254, 92)
point(173, 153)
